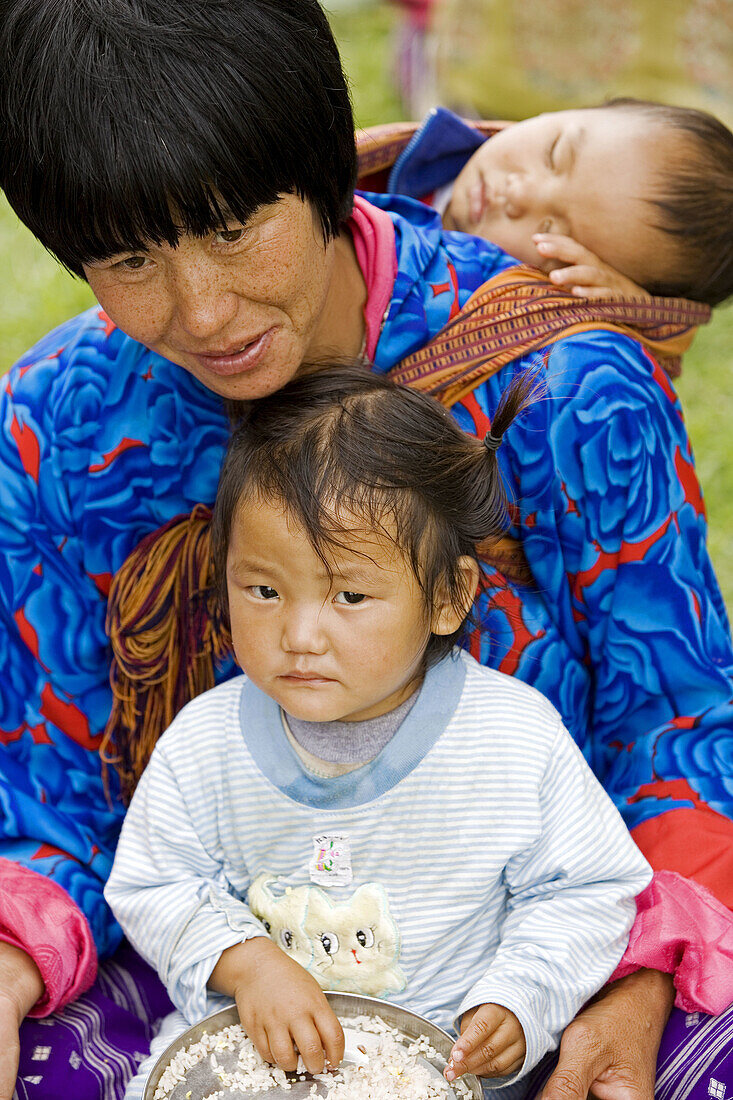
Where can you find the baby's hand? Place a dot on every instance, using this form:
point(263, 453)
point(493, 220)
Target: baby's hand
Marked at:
point(581, 272)
point(283, 1008)
point(491, 1044)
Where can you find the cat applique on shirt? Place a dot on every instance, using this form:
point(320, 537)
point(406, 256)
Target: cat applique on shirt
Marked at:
point(351, 945)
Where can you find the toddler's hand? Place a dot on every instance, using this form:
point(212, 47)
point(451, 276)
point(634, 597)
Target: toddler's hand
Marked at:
point(491, 1044)
point(581, 272)
point(281, 1006)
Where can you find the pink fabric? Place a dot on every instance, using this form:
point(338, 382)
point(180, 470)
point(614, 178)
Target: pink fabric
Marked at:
point(682, 929)
point(374, 240)
point(38, 916)
point(417, 11)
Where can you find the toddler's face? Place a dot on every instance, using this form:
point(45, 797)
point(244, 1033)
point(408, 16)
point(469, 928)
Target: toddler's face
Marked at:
point(348, 647)
point(587, 174)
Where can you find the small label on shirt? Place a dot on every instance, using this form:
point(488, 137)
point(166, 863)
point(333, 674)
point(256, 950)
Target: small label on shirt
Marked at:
point(331, 862)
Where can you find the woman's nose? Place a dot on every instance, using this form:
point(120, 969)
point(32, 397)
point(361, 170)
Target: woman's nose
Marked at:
point(204, 306)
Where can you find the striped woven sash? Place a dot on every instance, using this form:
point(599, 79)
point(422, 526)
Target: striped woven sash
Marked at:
point(520, 311)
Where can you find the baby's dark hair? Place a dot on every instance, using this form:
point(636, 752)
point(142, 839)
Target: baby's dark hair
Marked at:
point(129, 121)
point(343, 435)
point(695, 202)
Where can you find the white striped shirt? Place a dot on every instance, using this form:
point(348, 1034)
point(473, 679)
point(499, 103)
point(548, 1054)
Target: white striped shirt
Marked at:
point(491, 864)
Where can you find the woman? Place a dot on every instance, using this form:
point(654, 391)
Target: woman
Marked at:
point(194, 161)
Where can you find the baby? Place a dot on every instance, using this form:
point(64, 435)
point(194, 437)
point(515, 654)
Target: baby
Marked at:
point(627, 198)
point(367, 808)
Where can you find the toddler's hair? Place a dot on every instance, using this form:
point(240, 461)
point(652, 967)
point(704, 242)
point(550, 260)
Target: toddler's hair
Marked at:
point(694, 204)
point(341, 441)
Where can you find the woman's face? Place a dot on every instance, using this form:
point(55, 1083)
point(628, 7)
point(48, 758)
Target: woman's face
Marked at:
point(240, 309)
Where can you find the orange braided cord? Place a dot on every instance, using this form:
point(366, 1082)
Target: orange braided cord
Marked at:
point(164, 584)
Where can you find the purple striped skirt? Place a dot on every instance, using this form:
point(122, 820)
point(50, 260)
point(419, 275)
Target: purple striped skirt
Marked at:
point(91, 1049)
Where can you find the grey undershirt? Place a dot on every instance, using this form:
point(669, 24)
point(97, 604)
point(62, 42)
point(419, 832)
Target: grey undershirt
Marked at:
point(334, 748)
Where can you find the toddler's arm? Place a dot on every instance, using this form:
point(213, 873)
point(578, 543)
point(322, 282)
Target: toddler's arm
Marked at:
point(582, 272)
point(570, 905)
point(169, 892)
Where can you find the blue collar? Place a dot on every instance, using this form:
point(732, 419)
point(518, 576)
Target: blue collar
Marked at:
point(435, 155)
point(273, 754)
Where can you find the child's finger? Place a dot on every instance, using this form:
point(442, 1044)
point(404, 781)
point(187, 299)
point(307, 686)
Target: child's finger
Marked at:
point(503, 1065)
point(258, 1035)
point(494, 1055)
point(558, 247)
point(332, 1036)
point(309, 1044)
point(281, 1046)
point(628, 291)
point(484, 1025)
point(596, 292)
point(578, 275)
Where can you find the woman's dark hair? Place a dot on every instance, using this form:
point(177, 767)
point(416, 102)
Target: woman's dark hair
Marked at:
point(387, 454)
point(694, 204)
point(126, 121)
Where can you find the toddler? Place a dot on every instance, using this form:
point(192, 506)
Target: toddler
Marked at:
point(367, 808)
point(624, 198)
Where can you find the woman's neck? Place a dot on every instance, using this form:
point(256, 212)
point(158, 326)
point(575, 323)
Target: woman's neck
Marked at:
point(341, 329)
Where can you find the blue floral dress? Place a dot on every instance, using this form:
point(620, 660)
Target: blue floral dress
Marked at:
point(624, 629)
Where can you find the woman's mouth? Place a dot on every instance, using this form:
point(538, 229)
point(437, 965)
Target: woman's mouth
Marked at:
point(239, 358)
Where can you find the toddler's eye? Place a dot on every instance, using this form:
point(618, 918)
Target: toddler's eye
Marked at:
point(263, 592)
point(545, 226)
point(349, 597)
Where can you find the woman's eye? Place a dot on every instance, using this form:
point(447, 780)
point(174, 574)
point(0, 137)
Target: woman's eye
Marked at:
point(133, 263)
point(263, 592)
point(231, 236)
point(349, 597)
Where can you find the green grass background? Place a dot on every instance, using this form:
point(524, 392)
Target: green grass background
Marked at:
point(36, 294)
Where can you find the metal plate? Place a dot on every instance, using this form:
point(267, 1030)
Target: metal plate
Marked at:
point(201, 1082)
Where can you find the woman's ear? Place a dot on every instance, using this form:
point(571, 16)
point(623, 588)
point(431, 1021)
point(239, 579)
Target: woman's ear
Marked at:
point(448, 618)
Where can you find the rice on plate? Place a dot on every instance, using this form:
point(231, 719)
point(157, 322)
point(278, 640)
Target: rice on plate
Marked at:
point(390, 1054)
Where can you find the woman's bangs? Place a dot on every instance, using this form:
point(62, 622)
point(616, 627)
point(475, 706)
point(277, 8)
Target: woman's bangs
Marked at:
point(154, 199)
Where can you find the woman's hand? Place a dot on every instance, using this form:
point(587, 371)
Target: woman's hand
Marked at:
point(581, 272)
point(610, 1048)
point(21, 986)
point(492, 1044)
point(280, 1005)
